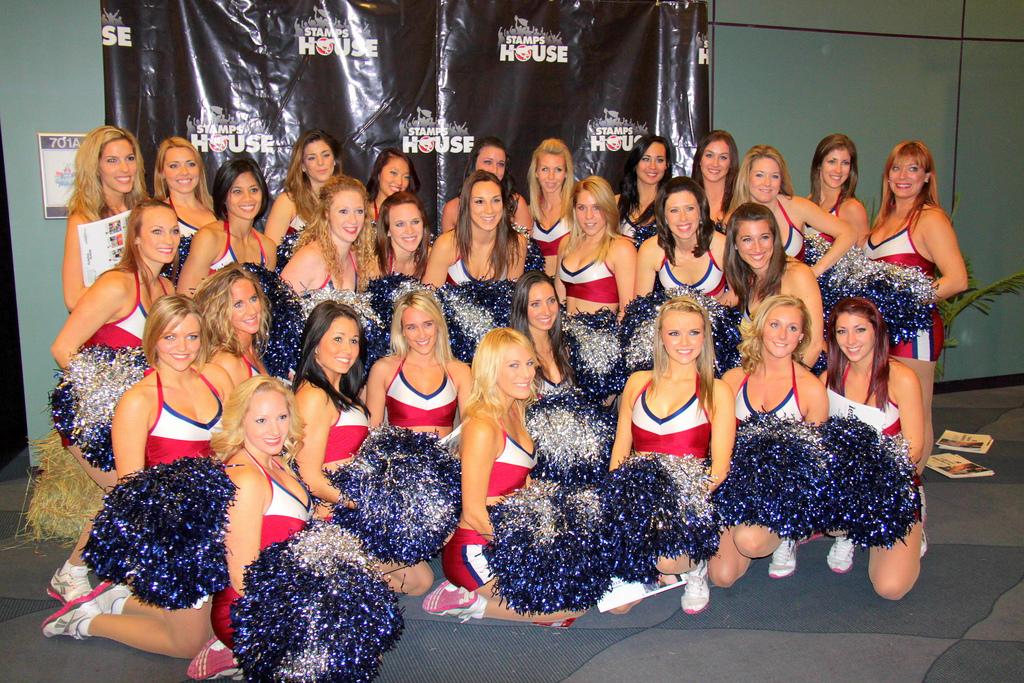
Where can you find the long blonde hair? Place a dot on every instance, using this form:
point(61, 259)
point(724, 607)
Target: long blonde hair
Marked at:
point(558, 148)
point(752, 330)
point(319, 231)
point(230, 439)
point(741, 193)
point(484, 399)
point(213, 298)
point(421, 300)
point(602, 193)
point(87, 197)
point(705, 362)
point(167, 311)
point(160, 189)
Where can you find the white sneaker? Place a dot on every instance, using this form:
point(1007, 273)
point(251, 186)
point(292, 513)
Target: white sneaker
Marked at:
point(69, 583)
point(111, 599)
point(783, 561)
point(697, 593)
point(840, 556)
point(71, 620)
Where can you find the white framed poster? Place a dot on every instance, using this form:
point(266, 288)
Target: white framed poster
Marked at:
point(57, 169)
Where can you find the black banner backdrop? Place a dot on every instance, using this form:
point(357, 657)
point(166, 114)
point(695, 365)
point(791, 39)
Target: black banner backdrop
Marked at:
point(429, 78)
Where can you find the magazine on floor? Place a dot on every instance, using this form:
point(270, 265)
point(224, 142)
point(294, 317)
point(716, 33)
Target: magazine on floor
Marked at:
point(625, 592)
point(956, 466)
point(966, 443)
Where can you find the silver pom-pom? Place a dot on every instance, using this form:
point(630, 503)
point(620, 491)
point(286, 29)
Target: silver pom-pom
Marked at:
point(599, 349)
point(99, 382)
point(357, 300)
point(538, 501)
point(690, 476)
point(856, 272)
point(321, 548)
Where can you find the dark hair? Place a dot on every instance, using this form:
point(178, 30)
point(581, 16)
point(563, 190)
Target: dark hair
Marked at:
point(373, 184)
point(838, 363)
point(706, 228)
point(518, 320)
point(508, 184)
point(309, 370)
point(738, 274)
point(734, 163)
point(383, 227)
point(505, 252)
point(829, 144)
point(629, 192)
point(226, 176)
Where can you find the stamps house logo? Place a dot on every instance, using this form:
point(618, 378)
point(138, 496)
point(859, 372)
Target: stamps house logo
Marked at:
point(423, 134)
point(611, 132)
point(113, 32)
point(521, 42)
point(321, 35)
point(215, 131)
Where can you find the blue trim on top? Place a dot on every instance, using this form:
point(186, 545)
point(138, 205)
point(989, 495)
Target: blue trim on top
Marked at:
point(663, 420)
point(426, 397)
point(574, 273)
point(887, 239)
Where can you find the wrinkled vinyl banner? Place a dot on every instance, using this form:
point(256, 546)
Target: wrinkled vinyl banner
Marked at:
point(429, 78)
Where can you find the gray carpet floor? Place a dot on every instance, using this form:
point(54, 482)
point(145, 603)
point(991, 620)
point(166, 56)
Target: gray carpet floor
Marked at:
point(964, 621)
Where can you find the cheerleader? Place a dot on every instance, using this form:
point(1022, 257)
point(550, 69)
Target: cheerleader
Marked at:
point(179, 178)
point(883, 392)
point(551, 182)
point(316, 157)
point(497, 456)
point(169, 414)
point(764, 178)
point(771, 381)
point(686, 251)
point(647, 167)
point(402, 236)
point(716, 163)
point(420, 385)
point(489, 154)
point(239, 199)
point(756, 267)
point(236, 317)
point(112, 312)
point(335, 251)
point(596, 266)
point(912, 230)
point(109, 179)
point(834, 184)
point(483, 246)
point(679, 409)
point(392, 172)
point(537, 315)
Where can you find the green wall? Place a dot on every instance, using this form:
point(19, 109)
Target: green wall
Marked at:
point(789, 73)
point(785, 86)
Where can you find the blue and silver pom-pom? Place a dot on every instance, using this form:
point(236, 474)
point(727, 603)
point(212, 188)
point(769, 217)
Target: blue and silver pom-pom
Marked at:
point(472, 310)
point(637, 330)
point(534, 258)
point(314, 609)
point(815, 247)
point(546, 553)
point(778, 478)
point(384, 291)
point(173, 270)
point(161, 532)
point(573, 436)
point(904, 295)
point(407, 492)
point(595, 352)
point(286, 249)
point(657, 505)
point(84, 400)
point(875, 500)
point(642, 233)
point(286, 322)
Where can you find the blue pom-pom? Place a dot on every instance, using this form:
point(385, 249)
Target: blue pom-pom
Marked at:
point(161, 532)
point(656, 506)
point(314, 609)
point(547, 550)
point(286, 249)
point(595, 352)
point(573, 436)
point(407, 491)
point(815, 247)
point(642, 233)
point(637, 329)
point(172, 271)
point(472, 310)
point(875, 499)
point(777, 479)
point(534, 259)
point(82, 404)
point(286, 322)
point(384, 291)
